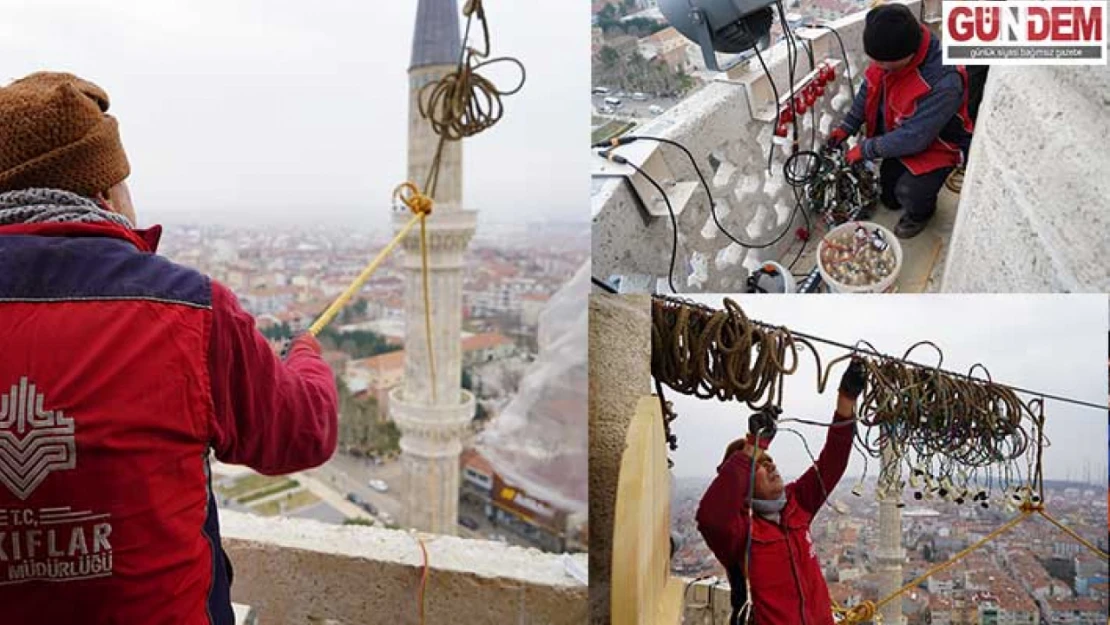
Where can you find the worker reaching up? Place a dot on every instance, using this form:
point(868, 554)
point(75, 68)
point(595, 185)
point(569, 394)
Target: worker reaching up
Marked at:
point(120, 370)
point(761, 534)
point(915, 111)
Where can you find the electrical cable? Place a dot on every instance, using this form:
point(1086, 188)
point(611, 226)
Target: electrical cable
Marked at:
point(617, 158)
point(625, 140)
point(843, 53)
point(604, 286)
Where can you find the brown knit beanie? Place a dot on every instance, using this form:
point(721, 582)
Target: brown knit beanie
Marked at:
point(55, 133)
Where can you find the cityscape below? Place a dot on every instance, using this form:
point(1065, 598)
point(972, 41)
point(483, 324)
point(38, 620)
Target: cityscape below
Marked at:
point(1032, 574)
point(287, 276)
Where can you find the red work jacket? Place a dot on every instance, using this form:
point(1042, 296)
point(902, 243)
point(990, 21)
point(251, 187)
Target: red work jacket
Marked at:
point(119, 372)
point(787, 585)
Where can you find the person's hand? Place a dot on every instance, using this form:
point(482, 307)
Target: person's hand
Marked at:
point(854, 155)
point(853, 380)
point(836, 137)
point(763, 425)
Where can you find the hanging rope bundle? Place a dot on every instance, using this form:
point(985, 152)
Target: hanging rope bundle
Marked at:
point(463, 103)
point(722, 354)
point(951, 432)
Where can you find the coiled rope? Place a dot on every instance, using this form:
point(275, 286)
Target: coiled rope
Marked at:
point(460, 104)
point(950, 431)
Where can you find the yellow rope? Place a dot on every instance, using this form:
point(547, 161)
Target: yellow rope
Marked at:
point(866, 610)
point(427, 305)
point(1070, 532)
point(346, 296)
point(409, 195)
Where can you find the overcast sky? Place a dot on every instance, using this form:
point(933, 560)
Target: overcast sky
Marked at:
point(252, 109)
point(1054, 344)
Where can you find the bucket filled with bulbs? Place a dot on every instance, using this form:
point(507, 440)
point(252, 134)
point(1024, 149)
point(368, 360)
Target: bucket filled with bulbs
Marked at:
point(859, 257)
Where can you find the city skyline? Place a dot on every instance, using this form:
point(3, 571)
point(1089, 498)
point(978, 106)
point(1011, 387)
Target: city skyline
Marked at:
point(286, 106)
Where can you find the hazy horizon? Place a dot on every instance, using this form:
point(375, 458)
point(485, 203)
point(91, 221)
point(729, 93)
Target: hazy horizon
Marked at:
point(251, 110)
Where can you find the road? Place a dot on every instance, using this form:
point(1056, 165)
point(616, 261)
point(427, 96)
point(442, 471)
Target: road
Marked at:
point(631, 109)
point(347, 474)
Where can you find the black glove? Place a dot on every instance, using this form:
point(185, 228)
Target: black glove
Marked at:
point(764, 424)
point(854, 379)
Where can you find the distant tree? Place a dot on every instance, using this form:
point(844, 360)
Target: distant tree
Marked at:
point(356, 344)
point(609, 55)
point(278, 332)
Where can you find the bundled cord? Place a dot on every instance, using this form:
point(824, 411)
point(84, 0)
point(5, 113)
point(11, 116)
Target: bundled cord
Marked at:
point(960, 437)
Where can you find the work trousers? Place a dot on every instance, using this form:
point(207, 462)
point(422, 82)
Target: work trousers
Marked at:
point(917, 195)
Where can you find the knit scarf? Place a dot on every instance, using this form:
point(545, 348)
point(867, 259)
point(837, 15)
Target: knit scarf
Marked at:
point(30, 206)
point(768, 507)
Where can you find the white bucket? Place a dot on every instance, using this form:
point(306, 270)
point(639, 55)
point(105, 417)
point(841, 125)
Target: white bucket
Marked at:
point(883, 286)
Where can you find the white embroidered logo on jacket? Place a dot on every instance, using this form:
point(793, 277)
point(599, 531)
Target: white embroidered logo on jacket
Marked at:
point(33, 441)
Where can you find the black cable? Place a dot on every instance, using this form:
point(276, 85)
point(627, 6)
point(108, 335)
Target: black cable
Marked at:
point(708, 192)
point(843, 54)
point(604, 286)
point(774, 124)
point(874, 352)
point(617, 158)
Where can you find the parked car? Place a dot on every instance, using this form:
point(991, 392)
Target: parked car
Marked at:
point(613, 102)
point(601, 90)
point(369, 507)
point(379, 486)
point(353, 498)
point(639, 97)
point(468, 523)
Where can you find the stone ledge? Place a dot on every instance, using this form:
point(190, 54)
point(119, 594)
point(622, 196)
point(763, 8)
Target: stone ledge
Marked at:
point(301, 571)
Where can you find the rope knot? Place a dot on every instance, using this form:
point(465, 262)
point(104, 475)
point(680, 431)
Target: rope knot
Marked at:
point(859, 614)
point(408, 194)
point(1028, 506)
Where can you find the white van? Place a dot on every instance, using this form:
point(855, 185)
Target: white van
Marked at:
point(613, 102)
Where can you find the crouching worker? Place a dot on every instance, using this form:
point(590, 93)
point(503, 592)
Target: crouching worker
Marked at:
point(761, 535)
point(119, 371)
point(915, 111)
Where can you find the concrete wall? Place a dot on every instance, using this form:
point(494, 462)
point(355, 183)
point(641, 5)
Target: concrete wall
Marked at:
point(620, 373)
point(298, 572)
point(1035, 206)
point(753, 205)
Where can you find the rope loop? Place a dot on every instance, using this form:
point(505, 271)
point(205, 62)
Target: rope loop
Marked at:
point(409, 194)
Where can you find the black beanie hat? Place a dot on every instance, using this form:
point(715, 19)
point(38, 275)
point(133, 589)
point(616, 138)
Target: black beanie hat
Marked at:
point(891, 33)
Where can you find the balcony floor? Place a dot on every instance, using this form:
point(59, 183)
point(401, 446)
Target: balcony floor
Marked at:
point(923, 256)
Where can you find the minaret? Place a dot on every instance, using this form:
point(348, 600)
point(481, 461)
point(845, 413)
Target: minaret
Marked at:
point(432, 429)
point(890, 555)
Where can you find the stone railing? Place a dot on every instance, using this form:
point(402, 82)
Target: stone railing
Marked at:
point(727, 126)
point(292, 571)
point(1034, 209)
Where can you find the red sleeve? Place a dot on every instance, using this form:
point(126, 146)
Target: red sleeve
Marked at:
point(273, 416)
point(723, 511)
point(810, 489)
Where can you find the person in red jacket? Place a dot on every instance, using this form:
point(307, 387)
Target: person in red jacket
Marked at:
point(761, 535)
point(120, 372)
point(915, 109)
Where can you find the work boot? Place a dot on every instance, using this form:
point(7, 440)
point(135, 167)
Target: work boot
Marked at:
point(955, 180)
point(908, 228)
